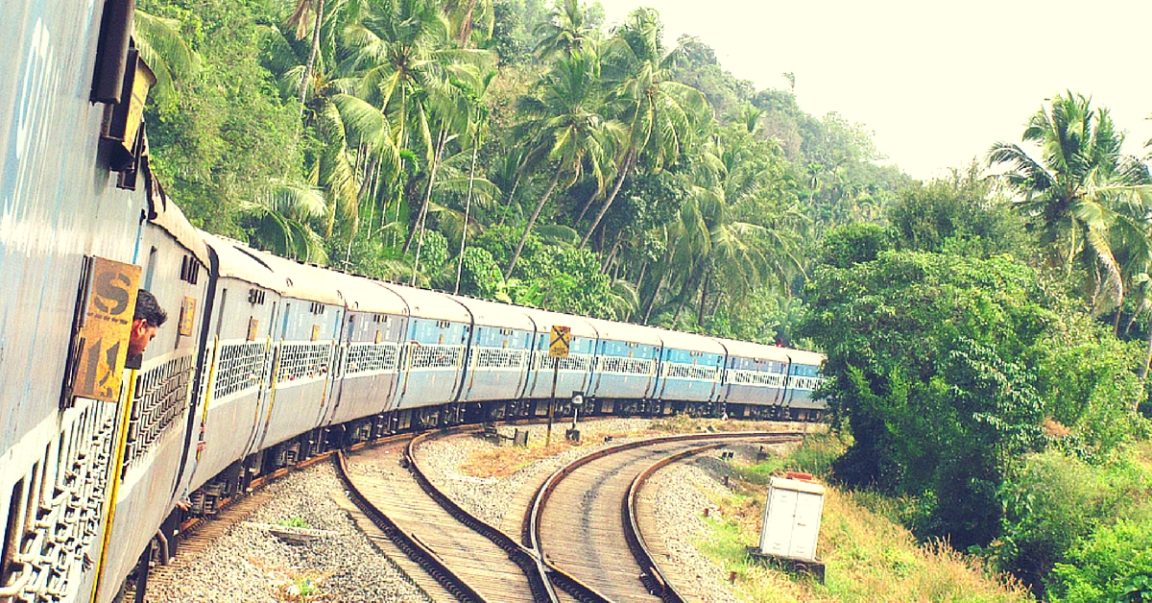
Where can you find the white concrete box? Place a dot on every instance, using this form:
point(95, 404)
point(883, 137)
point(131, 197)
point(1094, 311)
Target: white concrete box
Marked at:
point(792, 519)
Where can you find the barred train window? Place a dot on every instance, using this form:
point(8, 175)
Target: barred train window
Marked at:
point(161, 398)
point(497, 358)
point(239, 367)
point(627, 366)
point(303, 360)
point(574, 362)
point(436, 356)
point(689, 371)
point(370, 357)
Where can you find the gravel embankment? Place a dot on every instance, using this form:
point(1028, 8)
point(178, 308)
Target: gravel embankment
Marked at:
point(491, 499)
point(249, 564)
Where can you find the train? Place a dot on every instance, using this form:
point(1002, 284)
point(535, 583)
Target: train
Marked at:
point(265, 361)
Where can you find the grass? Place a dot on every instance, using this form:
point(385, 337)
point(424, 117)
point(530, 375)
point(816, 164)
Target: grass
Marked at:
point(294, 522)
point(868, 555)
point(503, 461)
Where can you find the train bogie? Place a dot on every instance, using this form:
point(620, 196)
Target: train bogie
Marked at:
point(691, 368)
point(499, 352)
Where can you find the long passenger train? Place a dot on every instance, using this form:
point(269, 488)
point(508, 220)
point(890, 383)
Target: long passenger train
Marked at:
point(265, 360)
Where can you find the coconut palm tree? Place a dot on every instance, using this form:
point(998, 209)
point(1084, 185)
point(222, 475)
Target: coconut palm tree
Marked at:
point(662, 115)
point(567, 133)
point(407, 64)
point(165, 50)
point(1072, 191)
point(729, 235)
point(280, 217)
point(566, 32)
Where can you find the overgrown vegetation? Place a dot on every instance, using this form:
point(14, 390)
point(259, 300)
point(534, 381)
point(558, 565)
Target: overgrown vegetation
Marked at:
point(868, 555)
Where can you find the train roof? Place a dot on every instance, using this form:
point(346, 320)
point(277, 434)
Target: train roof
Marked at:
point(290, 278)
point(805, 357)
point(240, 262)
point(622, 331)
point(366, 295)
point(168, 217)
point(546, 319)
point(423, 303)
point(755, 351)
point(494, 314)
point(691, 341)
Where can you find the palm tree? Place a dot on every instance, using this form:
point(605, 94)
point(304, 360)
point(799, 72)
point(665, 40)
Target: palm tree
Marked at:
point(730, 236)
point(299, 20)
point(280, 217)
point(165, 50)
point(565, 33)
point(663, 115)
point(407, 64)
point(1072, 191)
point(566, 131)
point(471, 19)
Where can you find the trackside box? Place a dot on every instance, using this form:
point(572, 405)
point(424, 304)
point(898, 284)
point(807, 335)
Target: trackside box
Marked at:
point(792, 519)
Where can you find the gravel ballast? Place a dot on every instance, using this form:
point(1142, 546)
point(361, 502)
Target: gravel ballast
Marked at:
point(248, 563)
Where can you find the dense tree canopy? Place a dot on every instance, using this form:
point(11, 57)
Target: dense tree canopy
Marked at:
point(348, 131)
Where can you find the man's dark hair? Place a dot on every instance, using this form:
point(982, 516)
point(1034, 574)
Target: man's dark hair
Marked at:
point(149, 309)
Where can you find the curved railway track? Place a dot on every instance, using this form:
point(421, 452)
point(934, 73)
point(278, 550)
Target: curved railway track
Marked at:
point(576, 527)
point(581, 519)
point(474, 561)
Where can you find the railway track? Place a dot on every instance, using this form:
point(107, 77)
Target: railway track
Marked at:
point(579, 543)
point(585, 513)
point(472, 560)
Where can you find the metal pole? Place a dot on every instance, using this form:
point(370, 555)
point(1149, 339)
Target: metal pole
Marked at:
point(575, 414)
point(552, 401)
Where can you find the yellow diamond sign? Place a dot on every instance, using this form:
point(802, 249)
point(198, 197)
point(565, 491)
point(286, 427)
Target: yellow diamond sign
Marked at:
point(560, 341)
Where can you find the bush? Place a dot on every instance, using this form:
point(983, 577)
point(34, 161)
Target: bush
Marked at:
point(1052, 500)
point(1115, 564)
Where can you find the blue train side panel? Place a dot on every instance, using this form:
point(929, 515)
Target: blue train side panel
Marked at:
point(689, 375)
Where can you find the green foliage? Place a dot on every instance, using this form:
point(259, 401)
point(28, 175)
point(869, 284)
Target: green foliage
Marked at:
point(853, 244)
point(224, 134)
point(814, 455)
point(293, 522)
point(1090, 385)
point(960, 215)
point(434, 252)
point(1053, 500)
point(1114, 565)
point(481, 276)
point(924, 356)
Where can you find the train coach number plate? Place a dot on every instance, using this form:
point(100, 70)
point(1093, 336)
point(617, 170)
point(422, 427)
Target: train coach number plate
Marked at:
point(102, 342)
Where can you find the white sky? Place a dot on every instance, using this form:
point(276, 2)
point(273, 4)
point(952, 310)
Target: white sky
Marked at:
point(937, 83)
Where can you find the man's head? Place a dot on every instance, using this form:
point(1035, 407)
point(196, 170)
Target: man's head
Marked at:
point(147, 319)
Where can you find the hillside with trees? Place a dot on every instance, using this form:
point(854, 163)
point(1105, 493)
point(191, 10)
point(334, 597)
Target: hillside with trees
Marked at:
point(988, 335)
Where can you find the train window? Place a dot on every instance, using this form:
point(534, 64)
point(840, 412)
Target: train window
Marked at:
point(189, 269)
point(150, 270)
point(12, 532)
point(220, 315)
